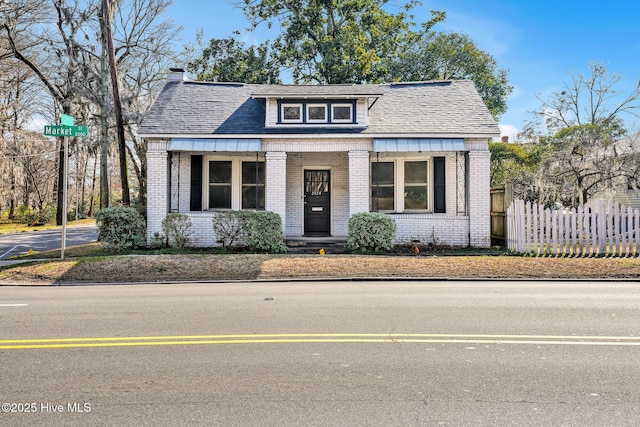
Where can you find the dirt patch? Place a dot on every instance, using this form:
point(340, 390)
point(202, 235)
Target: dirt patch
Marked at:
point(175, 268)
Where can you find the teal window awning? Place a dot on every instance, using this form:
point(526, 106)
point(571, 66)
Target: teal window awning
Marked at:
point(418, 144)
point(209, 144)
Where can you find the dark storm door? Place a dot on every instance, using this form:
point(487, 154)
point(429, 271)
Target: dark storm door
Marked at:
point(317, 203)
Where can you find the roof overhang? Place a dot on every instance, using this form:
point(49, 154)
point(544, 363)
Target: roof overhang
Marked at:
point(229, 144)
point(418, 144)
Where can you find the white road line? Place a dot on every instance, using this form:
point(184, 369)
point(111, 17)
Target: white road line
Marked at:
point(13, 305)
point(9, 251)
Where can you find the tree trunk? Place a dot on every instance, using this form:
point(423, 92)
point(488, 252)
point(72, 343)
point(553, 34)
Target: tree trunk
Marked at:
point(83, 187)
point(12, 196)
point(93, 188)
point(104, 162)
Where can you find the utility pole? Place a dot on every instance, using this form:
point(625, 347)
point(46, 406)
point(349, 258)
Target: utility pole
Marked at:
point(117, 104)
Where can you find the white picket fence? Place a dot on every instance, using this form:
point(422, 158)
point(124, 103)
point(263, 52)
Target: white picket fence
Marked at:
point(598, 228)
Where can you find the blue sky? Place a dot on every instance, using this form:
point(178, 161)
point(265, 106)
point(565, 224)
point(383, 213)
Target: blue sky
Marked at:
point(539, 42)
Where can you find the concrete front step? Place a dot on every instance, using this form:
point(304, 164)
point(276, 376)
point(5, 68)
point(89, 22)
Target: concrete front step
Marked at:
point(314, 247)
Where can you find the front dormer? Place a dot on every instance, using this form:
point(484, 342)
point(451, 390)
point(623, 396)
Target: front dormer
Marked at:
point(317, 106)
point(317, 112)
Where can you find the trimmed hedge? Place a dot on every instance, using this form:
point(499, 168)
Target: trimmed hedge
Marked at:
point(260, 231)
point(371, 231)
point(121, 227)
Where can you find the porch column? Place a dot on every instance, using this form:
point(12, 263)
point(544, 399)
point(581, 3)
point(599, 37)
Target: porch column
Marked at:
point(276, 184)
point(478, 184)
point(358, 182)
point(157, 186)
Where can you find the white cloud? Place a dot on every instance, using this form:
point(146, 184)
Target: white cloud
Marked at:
point(510, 131)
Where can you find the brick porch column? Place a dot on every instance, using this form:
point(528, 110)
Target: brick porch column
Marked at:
point(157, 186)
point(358, 182)
point(276, 184)
point(478, 183)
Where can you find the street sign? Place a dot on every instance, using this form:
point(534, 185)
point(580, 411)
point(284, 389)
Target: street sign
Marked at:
point(65, 130)
point(66, 120)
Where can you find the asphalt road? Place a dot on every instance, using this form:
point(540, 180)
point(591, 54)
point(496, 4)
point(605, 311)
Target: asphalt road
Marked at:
point(322, 354)
point(45, 240)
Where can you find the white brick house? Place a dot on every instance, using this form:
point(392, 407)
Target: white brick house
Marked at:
point(318, 154)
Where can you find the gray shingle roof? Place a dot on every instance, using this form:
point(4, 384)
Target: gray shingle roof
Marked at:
point(201, 109)
point(345, 90)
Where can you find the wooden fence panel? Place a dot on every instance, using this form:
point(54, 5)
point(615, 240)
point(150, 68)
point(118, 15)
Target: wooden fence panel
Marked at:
point(598, 228)
point(501, 199)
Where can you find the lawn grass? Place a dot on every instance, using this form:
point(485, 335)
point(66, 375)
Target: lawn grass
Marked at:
point(243, 267)
point(92, 263)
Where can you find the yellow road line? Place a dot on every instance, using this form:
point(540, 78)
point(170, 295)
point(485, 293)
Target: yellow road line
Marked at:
point(323, 335)
point(173, 340)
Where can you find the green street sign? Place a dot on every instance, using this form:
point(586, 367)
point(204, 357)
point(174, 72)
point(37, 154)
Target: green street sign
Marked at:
point(66, 120)
point(65, 130)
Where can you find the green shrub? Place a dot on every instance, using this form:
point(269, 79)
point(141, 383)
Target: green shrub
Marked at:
point(177, 229)
point(371, 231)
point(121, 228)
point(262, 231)
point(227, 226)
point(25, 215)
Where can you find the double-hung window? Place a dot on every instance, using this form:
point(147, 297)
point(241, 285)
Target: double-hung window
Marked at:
point(382, 186)
point(253, 185)
point(404, 185)
point(416, 186)
point(236, 184)
point(220, 184)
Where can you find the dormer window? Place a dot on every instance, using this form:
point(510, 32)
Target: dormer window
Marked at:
point(291, 113)
point(341, 113)
point(317, 112)
point(317, 106)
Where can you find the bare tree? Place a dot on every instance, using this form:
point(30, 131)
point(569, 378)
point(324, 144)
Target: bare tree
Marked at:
point(17, 95)
point(46, 38)
point(144, 53)
point(63, 43)
point(586, 119)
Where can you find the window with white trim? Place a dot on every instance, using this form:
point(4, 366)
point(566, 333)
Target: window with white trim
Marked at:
point(316, 113)
point(416, 185)
point(234, 183)
point(253, 185)
point(291, 113)
point(341, 113)
point(220, 184)
point(402, 185)
point(382, 186)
